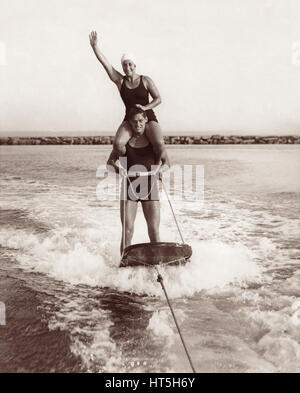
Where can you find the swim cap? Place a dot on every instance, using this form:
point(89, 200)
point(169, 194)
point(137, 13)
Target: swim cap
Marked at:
point(128, 56)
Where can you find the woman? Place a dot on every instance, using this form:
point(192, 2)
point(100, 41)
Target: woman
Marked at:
point(134, 90)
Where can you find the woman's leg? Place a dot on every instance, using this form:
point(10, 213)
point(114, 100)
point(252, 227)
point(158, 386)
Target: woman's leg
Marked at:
point(155, 136)
point(123, 135)
point(130, 214)
point(151, 211)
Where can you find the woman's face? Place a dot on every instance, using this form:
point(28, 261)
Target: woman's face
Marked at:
point(128, 67)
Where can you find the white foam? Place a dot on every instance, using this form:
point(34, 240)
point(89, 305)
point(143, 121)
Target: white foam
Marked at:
point(80, 257)
point(159, 323)
point(280, 334)
point(295, 318)
point(99, 353)
point(266, 245)
point(276, 348)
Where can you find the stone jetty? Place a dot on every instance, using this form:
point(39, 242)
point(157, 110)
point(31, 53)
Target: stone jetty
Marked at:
point(170, 140)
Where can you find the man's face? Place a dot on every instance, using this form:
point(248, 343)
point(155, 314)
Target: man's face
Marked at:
point(138, 124)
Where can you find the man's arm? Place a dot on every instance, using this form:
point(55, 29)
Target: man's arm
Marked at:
point(111, 164)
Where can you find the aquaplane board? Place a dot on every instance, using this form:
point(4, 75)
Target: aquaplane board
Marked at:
point(162, 253)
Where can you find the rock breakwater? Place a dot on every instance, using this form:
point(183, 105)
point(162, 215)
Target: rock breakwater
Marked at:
point(170, 140)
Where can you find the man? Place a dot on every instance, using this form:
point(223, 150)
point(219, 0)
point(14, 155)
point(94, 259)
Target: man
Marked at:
point(139, 181)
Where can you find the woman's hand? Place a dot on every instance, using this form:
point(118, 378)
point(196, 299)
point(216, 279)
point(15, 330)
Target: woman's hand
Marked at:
point(140, 107)
point(93, 39)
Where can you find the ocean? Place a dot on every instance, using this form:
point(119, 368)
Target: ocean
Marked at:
point(66, 306)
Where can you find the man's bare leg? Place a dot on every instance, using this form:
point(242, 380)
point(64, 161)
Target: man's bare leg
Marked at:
point(151, 211)
point(130, 214)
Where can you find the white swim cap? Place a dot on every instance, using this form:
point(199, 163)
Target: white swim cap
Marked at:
point(128, 56)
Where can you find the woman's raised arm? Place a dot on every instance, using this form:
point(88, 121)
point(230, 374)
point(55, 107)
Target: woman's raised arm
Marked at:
point(113, 74)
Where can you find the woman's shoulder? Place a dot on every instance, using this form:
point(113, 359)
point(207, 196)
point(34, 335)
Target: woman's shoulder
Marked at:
point(148, 82)
point(146, 78)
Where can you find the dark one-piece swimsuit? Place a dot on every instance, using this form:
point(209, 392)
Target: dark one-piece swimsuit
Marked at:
point(140, 188)
point(138, 95)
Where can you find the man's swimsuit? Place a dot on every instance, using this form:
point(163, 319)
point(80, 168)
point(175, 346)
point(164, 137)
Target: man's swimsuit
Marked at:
point(140, 188)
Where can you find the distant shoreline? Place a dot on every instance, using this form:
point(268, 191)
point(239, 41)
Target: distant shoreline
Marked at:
point(169, 140)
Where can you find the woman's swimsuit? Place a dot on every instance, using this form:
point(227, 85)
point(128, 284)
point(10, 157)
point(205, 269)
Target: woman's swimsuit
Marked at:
point(138, 95)
point(140, 188)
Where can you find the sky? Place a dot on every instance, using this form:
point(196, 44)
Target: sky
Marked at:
point(221, 66)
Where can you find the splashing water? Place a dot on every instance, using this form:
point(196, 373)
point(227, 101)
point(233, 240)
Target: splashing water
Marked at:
point(237, 301)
